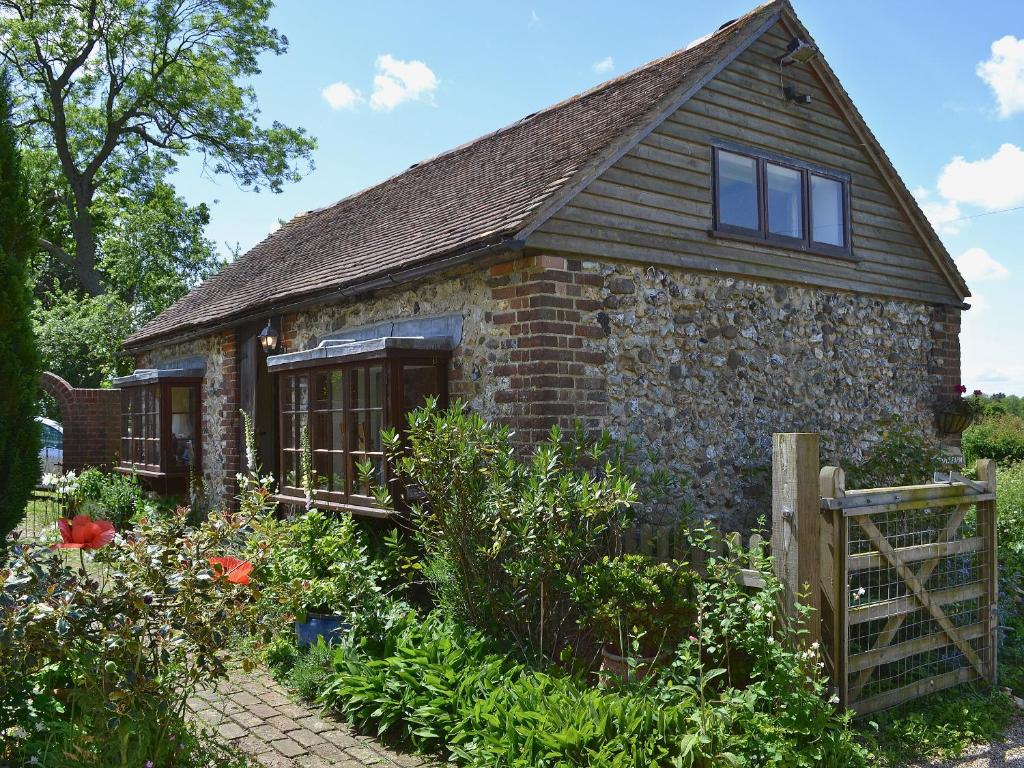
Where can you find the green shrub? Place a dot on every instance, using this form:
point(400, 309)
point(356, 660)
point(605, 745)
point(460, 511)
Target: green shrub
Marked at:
point(320, 563)
point(502, 538)
point(307, 674)
point(105, 663)
point(738, 692)
point(19, 369)
point(902, 456)
point(113, 496)
point(1010, 508)
point(631, 599)
point(999, 437)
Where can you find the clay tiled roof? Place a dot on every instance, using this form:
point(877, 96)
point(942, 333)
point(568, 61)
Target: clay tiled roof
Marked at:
point(477, 194)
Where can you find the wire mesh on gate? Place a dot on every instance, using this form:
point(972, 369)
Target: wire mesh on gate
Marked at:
point(917, 601)
point(43, 509)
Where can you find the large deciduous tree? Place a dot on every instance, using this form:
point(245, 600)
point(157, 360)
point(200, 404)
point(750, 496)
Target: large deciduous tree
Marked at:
point(19, 367)
point(102, 82)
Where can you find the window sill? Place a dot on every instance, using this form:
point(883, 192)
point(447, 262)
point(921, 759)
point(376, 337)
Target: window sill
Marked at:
point(335, 506)
point(789, 245)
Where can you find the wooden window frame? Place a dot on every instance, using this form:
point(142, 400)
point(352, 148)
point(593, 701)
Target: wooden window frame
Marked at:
point(163, 477)
point(805, 244)
point(393, 417)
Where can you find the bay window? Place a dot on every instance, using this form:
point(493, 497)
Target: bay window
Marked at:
point(335, 400)
point(160, 427)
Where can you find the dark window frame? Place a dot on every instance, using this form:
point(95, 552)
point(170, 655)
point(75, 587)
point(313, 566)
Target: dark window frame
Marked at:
point(164, 476)
point(393, 414)
point(807, 243)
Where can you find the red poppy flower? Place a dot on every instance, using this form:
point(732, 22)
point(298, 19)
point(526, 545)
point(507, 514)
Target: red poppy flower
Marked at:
point(83, 532)
point(237, 571)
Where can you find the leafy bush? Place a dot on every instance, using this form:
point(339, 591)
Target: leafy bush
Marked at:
point(1010, 509)
point(310, 668)
point(102, 666)
point(902, 456)
point(631, 599)
point(319, 563)
point(738, 692)
point(502, 538)
point(19, 371)
point(119, 498)
point(998, 437)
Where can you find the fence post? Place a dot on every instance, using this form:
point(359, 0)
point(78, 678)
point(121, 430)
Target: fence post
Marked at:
point(796, 510)
point(832, 485)
point(986, 511)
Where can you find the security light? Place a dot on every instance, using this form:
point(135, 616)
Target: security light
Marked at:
point(268, 338)
point(798, 52)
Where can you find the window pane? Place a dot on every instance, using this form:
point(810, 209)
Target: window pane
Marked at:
point(357, 382)
point(288, 432)
point(337, 392)
point(737, 191)
point(358, 487)
point(365, 431)
point(337, 433)
point(153, 452)
point(338, 473)
point(322, 471)
point(376, 375)
point(827, 211)
point(418, 383)
point(290, 468)
point(322, 391)
point(181, 400)
point(322, 432)
point(785, 201)
point(182, 434)
point(140, 451)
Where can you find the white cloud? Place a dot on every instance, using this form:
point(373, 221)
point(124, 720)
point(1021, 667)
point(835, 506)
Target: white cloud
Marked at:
point(341, 96)
point(1004, 73)
point(398, 81)
point(991, 183)
point(943, 214)
point(534, 18)
point(976, 265)
point(607, 64)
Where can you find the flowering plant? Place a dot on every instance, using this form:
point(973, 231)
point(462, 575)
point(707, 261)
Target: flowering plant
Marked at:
point(972, 405)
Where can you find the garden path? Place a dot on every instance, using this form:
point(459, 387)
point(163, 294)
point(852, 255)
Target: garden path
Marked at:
point(255, 713)
point(1009, 752)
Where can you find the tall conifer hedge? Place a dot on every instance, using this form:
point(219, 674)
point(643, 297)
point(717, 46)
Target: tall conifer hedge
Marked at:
point(19, 361)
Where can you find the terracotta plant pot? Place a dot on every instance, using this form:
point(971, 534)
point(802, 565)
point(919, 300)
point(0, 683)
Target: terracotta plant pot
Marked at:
point(615, 668)
point(953, 422)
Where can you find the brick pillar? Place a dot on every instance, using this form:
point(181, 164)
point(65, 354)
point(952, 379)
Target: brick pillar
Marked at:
point(555, 347)
point(231, 421)
point(944, 364)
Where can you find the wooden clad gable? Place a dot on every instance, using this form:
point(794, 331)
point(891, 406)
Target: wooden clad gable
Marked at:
point(654, 204)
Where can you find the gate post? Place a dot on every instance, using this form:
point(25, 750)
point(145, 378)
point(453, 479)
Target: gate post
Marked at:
point(986, 511)
point(796, 522)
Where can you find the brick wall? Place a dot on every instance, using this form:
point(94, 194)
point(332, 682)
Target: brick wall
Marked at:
point(231, 419)
point(945, 359)
point(549, 307)
point(91, 420)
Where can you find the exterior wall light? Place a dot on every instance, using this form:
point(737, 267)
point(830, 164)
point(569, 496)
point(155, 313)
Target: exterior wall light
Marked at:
point(798, 52)
point(269, 338)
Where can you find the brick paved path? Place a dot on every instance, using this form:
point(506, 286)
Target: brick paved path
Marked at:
point(255, 713)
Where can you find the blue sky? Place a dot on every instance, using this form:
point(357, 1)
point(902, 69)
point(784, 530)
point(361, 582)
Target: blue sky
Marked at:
point(383, 85)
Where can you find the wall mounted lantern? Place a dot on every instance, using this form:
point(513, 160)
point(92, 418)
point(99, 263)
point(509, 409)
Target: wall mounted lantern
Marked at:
point(269, 338)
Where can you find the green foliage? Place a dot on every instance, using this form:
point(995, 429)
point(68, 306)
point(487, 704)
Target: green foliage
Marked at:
point(319, 563)
point(80, 336)
point(737, 692)
point(502, 538)
point(104, 658)
point(631, 598)
point(307, 674)
point(902, 456)
point(1010, 509)
point(941, 725)
point(19, 369)
point(141, 83)
point(999, 437)
point(114, 497)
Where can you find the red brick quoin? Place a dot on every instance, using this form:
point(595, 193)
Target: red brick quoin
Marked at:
point(91, 420)
point(555, 345)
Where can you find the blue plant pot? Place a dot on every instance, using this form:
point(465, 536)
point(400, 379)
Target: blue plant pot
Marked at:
point(318, 625)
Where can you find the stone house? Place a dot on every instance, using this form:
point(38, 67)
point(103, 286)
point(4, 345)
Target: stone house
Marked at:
point(696, 254)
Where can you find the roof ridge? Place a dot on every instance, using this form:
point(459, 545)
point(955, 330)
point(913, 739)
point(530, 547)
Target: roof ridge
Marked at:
point(580, 96)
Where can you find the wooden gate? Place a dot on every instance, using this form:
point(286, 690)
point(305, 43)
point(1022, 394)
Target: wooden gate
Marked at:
point(909, 583)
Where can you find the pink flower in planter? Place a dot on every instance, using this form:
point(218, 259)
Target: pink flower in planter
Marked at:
point(82, 532)
point(961, 389)
point(977, 393)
